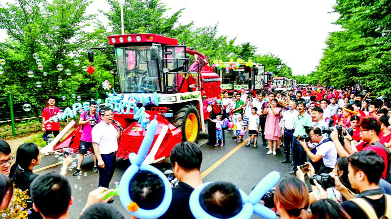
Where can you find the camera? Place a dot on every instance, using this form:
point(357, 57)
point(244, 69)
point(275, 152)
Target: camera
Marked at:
point(324, 180)
point(348, 131)
point(66, 152)
point(339, 129)
point(306, 137)
point(326, 130)
point(268, 198)
point(93, 122)
point(304, 167)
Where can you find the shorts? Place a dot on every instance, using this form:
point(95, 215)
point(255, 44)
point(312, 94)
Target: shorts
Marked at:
point(252, 132)
point(84, 147)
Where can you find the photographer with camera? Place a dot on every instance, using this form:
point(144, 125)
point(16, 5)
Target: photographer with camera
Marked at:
point(365, 171)
point(325, 153)
point(88, 119)
point(370, 129)
point(338, 189)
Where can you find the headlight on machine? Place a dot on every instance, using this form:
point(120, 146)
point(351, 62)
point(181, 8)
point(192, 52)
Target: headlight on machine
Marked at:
point(168, 99)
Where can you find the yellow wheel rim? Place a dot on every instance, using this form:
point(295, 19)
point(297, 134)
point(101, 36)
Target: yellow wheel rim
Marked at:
point(191, 127)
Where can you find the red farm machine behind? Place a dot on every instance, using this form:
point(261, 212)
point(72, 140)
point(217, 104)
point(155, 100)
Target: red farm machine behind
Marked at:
point(151, 66)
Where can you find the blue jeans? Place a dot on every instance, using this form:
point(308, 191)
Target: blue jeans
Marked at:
point(106, 173)
point(299, 156)
point(288, 141)
point(219, 135)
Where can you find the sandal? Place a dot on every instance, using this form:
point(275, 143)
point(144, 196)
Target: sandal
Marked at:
point(216, 145)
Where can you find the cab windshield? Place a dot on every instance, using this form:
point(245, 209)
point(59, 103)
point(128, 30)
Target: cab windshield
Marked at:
point(136, 71)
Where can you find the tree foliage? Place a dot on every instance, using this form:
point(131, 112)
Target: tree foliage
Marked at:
point(359, 54)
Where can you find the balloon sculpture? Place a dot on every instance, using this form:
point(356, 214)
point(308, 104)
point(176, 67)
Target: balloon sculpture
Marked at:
point(136, 161)
point(250, 202)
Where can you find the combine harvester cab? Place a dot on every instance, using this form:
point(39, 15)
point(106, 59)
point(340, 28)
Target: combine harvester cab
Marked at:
point(157, 79)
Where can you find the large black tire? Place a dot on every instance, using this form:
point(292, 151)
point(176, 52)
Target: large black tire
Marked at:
point(190, 114)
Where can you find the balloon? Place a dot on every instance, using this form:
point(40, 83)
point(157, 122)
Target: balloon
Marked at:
point(214, 66)
point(242, 132)
point(209, 108)
point(84, 68)
point(1, 70)
point(78, 98)
point(215, 61)
point(59, 67)
point(230, 125)
point(38, 84)
point(40, 67)
point(233, 66)
point(45, 73)
point(2, 61)
point(250, 202)
point(38, 61)
point(68, 72)
point(136, 161)
point(231, 60)
point(205, 109)
point(35, 56)
point(234, 128)
point(226, 121)
point(77, 62)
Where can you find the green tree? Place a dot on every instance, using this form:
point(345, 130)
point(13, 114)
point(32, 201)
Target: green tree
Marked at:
point(144, 16)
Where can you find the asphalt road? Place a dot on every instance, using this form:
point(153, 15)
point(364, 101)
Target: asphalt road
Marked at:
point(243, 166)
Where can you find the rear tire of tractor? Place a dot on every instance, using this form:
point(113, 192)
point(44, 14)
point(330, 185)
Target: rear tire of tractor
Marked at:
point(188, 120)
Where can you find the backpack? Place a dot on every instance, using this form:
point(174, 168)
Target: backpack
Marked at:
point(388, 168)
point(369, 210)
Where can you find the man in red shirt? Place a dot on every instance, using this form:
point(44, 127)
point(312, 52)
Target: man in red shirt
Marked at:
point(370, 130)
point(385, 134)
point(48, 125)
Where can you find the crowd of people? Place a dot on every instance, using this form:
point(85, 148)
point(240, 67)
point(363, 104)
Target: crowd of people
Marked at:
point(327, 134)
point(337, 142)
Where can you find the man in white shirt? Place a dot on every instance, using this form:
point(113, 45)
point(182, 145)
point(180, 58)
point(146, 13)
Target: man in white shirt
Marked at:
point(333, 107)
point(105, 142)
point(326, 153)
point(326, 111)
point(288, 127)
point(226, 102)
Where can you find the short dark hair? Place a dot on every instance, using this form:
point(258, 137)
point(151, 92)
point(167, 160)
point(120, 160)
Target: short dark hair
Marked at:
point(104, 109)
point(51, 97)
point(349, 107)
point(382, 111)
point(187, 155)
point(374, 103)
point(146, 189)
point(355, 118)
point(225, 92)
point(298, 92)
point(370, 163)
point(370, 124)
point(238, 93)
point(312, 98)
point(324, 100)
point(101, 211)
point(255, 108)
point(318, 109)
point(51, 194)
point(4, 147)
point(384, 119)
point(316, 130)
point(221, 199)
point(357, 103)
point(327, 208)
point(93, 102)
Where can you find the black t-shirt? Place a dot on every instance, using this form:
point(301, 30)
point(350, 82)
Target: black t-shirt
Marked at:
point(179, 207)
point(379, 205)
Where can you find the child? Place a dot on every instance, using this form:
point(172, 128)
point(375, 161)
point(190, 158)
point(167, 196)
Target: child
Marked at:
point(239, 127)
point(219, 130)
point(253, 126)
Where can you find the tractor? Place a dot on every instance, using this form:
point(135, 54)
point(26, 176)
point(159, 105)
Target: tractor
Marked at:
point(155, 66)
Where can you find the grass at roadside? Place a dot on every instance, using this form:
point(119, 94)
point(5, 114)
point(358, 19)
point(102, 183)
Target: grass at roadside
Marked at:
point(36, 139)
